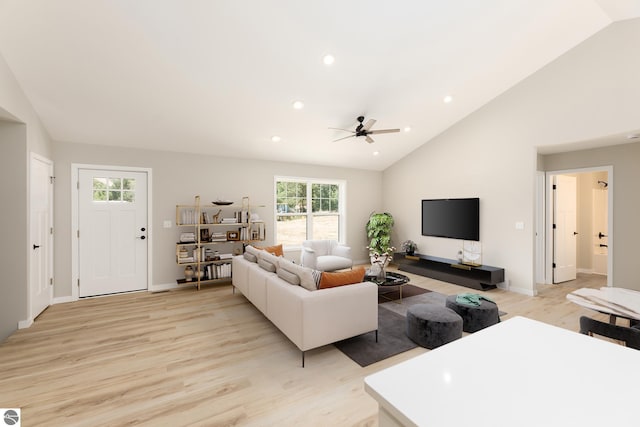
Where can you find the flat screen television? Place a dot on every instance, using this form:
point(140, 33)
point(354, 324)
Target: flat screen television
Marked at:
point(452, 218)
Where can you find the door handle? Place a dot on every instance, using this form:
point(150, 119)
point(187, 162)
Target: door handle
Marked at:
point(35, 247)
point(574, 233)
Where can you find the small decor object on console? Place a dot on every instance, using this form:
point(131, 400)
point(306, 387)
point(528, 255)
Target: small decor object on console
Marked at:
point(471, 253)
point(409, 247)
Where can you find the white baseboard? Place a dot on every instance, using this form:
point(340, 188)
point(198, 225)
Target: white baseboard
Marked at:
point(584, 270)
point(523, 291)
point(61, 300)
point(23, 324)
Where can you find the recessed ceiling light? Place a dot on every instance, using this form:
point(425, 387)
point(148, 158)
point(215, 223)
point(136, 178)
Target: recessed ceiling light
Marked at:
point(298, 105)
point(276, 138)
point(407, 129)
point(447, 99)
point(328, 59)
point(633, 136)
point(375, 153)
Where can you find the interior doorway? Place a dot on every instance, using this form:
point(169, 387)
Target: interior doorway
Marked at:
point(593, 243)
point(40, 234)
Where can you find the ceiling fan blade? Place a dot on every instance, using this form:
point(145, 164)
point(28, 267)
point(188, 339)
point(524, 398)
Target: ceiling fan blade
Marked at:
point(384, 131)
point(344, 137)
point(369, 139)
point(346, 130)
point(368, 125)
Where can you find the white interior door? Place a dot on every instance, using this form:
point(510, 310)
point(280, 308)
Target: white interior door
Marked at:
point(41, 233)
point(112, 231)
point(564, 235)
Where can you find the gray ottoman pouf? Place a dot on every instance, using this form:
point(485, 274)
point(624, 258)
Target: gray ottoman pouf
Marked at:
point(475, 317)
point(431, 325)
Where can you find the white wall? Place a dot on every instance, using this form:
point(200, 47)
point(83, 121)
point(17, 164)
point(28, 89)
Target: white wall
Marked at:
point(178, 177)
point(20, 133)
point(589, 92)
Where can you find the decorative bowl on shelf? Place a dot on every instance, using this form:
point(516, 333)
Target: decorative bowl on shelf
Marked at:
point(222, 202)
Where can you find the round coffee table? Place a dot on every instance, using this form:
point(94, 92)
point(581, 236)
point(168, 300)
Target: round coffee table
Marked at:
point(391, 280)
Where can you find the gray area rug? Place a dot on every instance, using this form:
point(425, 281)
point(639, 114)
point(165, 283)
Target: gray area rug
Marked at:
point(392, 339)
point(364, 350)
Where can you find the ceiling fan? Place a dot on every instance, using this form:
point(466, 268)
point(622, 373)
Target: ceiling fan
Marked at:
point(364, 130)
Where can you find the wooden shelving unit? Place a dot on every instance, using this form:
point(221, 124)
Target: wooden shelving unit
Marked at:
point(207, 227)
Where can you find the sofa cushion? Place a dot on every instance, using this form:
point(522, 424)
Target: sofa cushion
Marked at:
point(252, 250)
point(309, 278)
point(350, 277)
point(268, 257)
point(266, 265)
point(288, 276)
point(275, 249)
point(250, 257)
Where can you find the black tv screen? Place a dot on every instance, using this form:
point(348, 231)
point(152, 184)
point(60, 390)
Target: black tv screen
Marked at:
point(452, 218)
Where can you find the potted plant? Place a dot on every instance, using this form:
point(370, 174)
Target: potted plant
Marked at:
point(409, 247)
point(379, 228)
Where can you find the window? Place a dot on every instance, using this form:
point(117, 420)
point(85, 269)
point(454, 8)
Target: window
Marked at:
point(114, 190)
point(308, 209)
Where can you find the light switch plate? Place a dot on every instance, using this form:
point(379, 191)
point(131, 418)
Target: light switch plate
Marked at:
point(519, 225)
point(166, 223)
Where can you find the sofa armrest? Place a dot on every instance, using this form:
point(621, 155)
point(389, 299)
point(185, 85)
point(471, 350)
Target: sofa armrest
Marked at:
point(334, 314)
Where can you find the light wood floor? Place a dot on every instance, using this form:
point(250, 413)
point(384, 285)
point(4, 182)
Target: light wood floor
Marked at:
point(206, 358)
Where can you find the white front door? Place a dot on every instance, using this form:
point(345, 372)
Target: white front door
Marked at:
point(41, 232)
point(112, 231)
point(564, 236)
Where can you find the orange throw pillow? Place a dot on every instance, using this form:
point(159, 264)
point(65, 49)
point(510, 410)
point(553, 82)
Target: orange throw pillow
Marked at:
point(276, 249)
point(331, 280)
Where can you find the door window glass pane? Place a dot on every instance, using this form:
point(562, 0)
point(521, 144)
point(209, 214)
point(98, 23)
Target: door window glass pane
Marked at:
point(113, 189)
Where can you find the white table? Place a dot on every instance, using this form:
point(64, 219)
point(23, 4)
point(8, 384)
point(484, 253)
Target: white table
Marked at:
point(517, 373)
point(616, 302)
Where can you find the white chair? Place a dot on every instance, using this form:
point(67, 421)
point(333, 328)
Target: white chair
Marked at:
point(325, 255)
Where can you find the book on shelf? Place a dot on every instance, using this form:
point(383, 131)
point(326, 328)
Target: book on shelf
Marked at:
point(187, 237)
point(188, 217)
point(218, 271)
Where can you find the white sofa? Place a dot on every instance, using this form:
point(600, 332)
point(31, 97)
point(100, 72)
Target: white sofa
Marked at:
point(325, 255)
point(308, 318)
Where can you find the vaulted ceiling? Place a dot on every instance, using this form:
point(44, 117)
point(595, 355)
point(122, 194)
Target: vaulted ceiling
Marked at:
point(221, 76)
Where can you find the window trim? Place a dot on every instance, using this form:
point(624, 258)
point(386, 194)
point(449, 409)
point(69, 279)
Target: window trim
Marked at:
point(342, 202)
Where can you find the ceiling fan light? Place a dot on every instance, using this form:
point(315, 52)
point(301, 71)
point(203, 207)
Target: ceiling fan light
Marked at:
point(276, 138)
point(407, 129)
point(376, 153)
point(298, 105)
point(447, 99)
point(328, 59)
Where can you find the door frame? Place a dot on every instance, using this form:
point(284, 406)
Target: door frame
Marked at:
point(548, 262)
point(75, 254)
point(34, 156)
